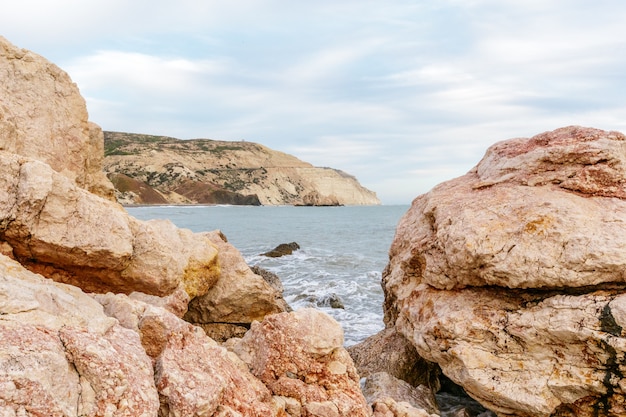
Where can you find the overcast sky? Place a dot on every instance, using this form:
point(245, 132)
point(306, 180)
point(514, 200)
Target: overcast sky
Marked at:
point(402, 94)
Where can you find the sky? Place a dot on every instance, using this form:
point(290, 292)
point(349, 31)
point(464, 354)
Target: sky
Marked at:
point(401, 94)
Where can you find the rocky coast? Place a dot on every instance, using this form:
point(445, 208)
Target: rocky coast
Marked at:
point(507, 284)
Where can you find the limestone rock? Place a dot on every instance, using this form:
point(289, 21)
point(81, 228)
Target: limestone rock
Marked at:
point(239, 296)
point(193, 375)
point(390, 352)
point(60, 355)
point(388, 407)
point(381, 385)
point(211, 171)
point(300, 355)
point(70, 235)
point(269, 277)
point(176, 303)
point(512, 278)
point(43, 116)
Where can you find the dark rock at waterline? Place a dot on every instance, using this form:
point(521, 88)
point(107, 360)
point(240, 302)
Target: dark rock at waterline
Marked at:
point(282, 250)
point(269, 277)
point(329, 300)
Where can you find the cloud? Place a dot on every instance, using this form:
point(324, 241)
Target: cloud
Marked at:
point(399, 93)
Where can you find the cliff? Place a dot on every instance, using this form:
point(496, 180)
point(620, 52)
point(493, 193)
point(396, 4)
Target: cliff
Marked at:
point(163, 170)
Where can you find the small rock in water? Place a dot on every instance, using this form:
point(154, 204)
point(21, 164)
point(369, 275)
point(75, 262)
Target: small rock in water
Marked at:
point(330, 300)
point(282, 250)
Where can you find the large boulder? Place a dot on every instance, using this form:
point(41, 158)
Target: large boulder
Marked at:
point(66, 233)
point(300, 357)
point(512, 277)
point(60, 355)
point(193, 375)
point(43, 116)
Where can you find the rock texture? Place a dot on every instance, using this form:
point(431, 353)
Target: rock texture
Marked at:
point(66, 353)
point(218, 172)
point(43, 116)
point(300, 356)
point(66, 233)
point(237, 299)
point(512, 278)
point(60, 355)
point(193, 375)
point(380, 387)
point(391, 353)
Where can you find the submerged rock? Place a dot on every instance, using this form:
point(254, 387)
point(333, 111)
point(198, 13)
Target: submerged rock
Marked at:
point(511, 277)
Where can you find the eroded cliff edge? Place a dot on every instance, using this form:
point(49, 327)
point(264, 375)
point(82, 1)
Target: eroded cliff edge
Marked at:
point(148, 169)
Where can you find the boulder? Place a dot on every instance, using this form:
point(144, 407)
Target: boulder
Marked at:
point(238, 298)
point(381, 385)
point(390, 352)
point(193, 375)
point(60, 355)
point(512, 279)
point(300, 356)
point(63, 232)
point(269, 277)
point(43, 116)
point(388, 407)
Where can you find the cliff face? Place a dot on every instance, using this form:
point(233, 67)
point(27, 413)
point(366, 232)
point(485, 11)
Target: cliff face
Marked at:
point(156, 170)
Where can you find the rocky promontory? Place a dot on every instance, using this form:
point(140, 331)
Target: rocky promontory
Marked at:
point(148, 169)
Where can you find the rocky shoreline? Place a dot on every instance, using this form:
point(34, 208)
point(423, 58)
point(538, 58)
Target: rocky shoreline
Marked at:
point(506, 284)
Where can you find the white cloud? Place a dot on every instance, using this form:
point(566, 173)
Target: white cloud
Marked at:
point(398, 93)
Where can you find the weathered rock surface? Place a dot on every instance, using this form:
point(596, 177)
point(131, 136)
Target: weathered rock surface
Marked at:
point(43, 116)
point(380, 386)
point(300, 356)
point(512, 278)
point(66, 233)
point(60, 355)
point(390, 352)
point(237, 299)
point(193, 375)
point(203, 171)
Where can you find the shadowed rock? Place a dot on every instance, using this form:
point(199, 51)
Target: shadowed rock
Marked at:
point(282, 250)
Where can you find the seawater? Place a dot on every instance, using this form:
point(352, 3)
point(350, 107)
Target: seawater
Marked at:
point(343, 251)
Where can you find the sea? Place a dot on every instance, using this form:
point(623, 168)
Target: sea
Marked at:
point(343, 251)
